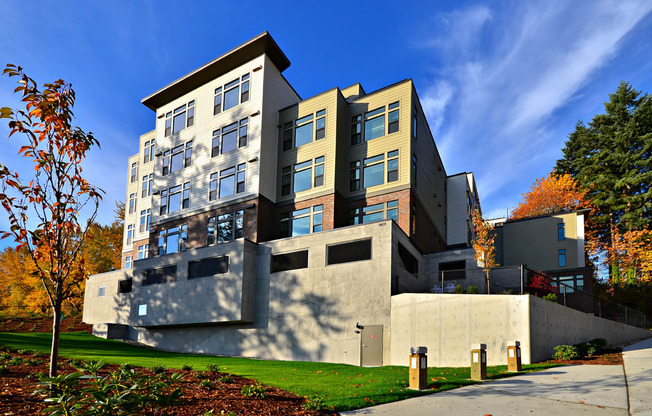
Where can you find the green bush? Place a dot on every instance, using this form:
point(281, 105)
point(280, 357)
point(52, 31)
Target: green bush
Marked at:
point(205, 383)
point(186, 367)
point(226, 379)
point(158, 369)
point(213, 368)
point(472, 289)
point(566, 352)
point(458, 289)
point(15, 361)
point(552, 297)
point(314, 402)
point(254, 390)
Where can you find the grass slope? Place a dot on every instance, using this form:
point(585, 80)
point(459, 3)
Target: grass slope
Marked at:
point(343, 387)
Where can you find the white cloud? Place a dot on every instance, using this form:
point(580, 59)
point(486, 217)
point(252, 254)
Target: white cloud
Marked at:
point(493, 103)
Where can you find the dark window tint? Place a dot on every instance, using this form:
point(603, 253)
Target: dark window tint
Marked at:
point(348, 252)
point(124, 286)
point(167, 274)
point(208, 267)
point(289, 261)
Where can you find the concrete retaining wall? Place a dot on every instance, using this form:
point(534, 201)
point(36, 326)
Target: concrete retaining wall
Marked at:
point(448, 325)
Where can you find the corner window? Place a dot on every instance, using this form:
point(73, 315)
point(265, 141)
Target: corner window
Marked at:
point(302, 221)
point(561, 231)
point(179, 119)
point(175, 199)
point(307, 129)
point(144, 220)
point(172, 240)
point(231, 94)
point(146, 187)
point(143, 251)
point(225, 227)
point(377, 212)
point(228, 182)
point(300, 176)
point(134, 172)
point(561, 255)
point(148, 151)
point(178, 158)
point(229, 137)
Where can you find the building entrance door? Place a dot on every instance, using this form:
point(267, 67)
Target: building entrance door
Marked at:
point(371, 346)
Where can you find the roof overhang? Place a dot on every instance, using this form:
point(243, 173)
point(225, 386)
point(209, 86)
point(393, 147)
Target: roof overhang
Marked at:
point(261, 44)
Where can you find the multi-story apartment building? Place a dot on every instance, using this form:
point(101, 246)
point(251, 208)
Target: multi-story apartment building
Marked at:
point(252, 212)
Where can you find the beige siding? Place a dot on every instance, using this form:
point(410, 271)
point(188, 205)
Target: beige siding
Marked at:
point(278, 94)
point(201, 134)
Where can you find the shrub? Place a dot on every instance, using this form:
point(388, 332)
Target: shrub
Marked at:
point(552, 297)
point(34, 361)
point(15, 361)
point(206, 383)
point(314, 402)
point(213, 368)
point(126, 366)
point(201, 375)
point(472, 289)
point(254, 390)
point(458, 289)
point(541, 285)
point(186, 367)
point(36, 375)
point(565, 352)
point(226, 379)
point(158, 369)
point(22, 351)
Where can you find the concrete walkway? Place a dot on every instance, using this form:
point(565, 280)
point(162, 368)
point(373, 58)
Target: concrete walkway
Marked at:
point(568, 390)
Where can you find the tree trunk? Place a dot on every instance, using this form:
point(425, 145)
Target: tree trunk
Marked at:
point(486, 272)
point(56, 328)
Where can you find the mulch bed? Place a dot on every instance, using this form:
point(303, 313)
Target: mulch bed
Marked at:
point(610, 357)
point(70, 323)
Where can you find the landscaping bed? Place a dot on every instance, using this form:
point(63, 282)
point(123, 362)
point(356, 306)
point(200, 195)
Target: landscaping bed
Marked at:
point(70, 323)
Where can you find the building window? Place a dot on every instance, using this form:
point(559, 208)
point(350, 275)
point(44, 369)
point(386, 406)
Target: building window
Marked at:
point(561, 255)
point(300, 177)
point(179, 119)
point(392, 118)
point(307, 127)
point(225, 227)
point(132, 203)
point(356, 130)
point(348, 252)
point(146, 188)
point(101, 291)
point(374, 124)
point(178, 158)
point(231, 181)
point(354, 176)
point(130, 234)
point(142, 310)
point(567, 284)
point(134, 172)
point(143, 251)
point(377, 212)
point(172, 240)
point(230, 137)
point(128, 261)
point(175, 199)
point(148, 151)
point(302, 221)
point(414, 123)
point(166, 274)
point(392, 166)
point(231, 94)
point(561, 231)
point(414, 170)
point(208, 267)
point(144, 220)
point(373, 171)
point(290, 261)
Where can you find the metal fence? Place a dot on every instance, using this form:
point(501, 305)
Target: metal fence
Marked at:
point(521, 280)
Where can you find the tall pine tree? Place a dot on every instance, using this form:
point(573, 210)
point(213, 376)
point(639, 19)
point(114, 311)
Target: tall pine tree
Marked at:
point(611, 159)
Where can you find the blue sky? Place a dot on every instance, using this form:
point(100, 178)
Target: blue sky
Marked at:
point(503, 83)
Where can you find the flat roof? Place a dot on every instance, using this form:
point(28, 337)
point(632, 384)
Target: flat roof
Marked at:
point(261, 44)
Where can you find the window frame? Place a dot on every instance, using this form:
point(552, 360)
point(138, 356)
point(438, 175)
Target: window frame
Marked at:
point(236, 221)
point(182, 152)
point(164, 235)
point(171, 117)
point(314, 122)
point(243, 93)
point(561, 231)
point(314, 214)
point(388, 209)
point(317, 168)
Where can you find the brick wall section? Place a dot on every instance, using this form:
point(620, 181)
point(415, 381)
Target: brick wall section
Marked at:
point(197, 225)
point(133, 253)
point(328, 219)
point(403, 198)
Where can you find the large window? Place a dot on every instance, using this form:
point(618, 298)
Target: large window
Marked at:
point(172, 240)
point(377, 212)
point(300, 177)
point(572, 283)
point(148, 150)
point(229, 138)
point(144, 220)
point(178, 158)
point(180, 118)
point(371, 171)
point(302, 221)
point(146, 187)
point(306, 130)
point(225, 227)
point(376, 123)
point(208, 267)
point(227, 182)
point(175, 198)
point(167, 274)
point(348, 252)
point(231, 94)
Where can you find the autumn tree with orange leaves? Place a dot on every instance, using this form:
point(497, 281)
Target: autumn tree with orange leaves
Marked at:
point(551, 195)
point(483, 245)
point(44, 212)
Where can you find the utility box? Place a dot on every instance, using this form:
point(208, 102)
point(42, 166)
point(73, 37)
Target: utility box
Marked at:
point(478, 362)
point(514, 356)
point(418, 368)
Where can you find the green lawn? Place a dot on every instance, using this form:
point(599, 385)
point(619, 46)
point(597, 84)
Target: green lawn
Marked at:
point(343, 387)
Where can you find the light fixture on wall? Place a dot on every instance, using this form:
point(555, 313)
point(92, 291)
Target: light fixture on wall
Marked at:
point(256, 113)
point(258, 68)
